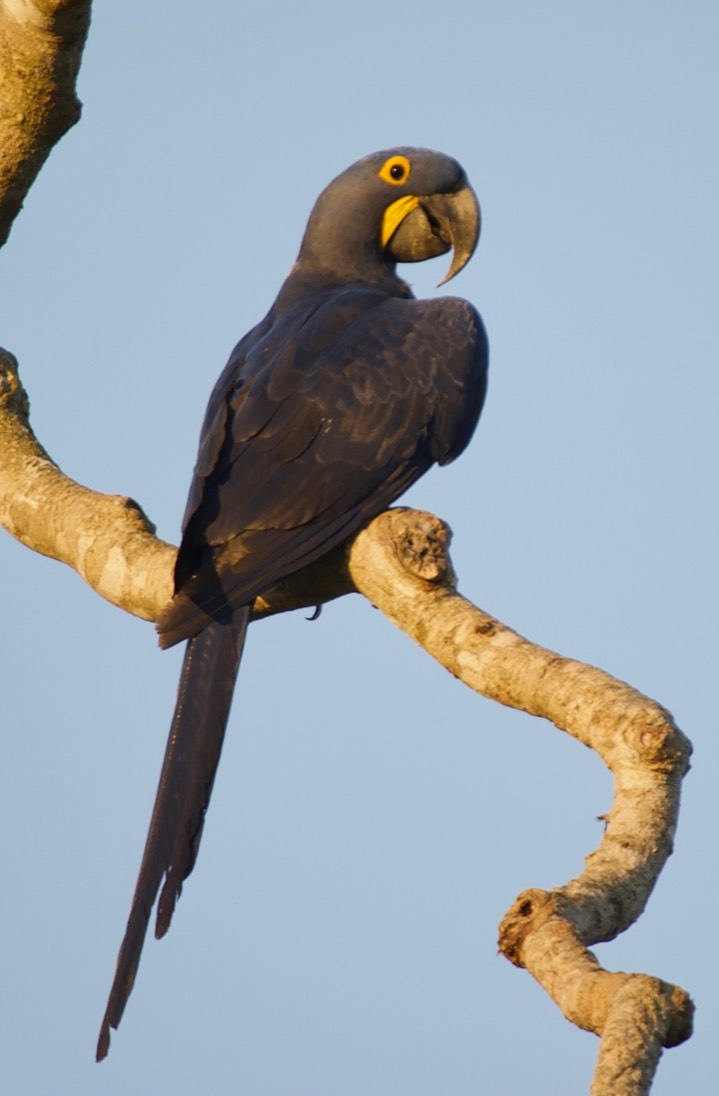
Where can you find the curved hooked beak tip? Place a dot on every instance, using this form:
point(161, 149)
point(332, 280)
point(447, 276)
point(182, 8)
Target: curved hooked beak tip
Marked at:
point(436, 224)
point(459, 216)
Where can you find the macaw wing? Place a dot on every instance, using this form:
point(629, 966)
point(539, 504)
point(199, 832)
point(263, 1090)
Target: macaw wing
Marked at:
point(322, 428)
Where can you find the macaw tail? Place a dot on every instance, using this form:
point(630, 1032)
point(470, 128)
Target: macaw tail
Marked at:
point(204, 697)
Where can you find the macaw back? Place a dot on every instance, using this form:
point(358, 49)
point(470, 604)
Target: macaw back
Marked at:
point(326, 413)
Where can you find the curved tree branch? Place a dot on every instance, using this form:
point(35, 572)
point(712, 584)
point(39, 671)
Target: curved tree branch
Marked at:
point(400, 563)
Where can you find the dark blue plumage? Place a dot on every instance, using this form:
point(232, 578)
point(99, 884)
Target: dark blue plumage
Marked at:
point(327, 411)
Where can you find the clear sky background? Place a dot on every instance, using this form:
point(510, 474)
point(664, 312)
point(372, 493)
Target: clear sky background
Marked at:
point(372, 818)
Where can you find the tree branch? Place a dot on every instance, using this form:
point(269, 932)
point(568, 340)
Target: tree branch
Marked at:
point(41, 44)
point(107, 539)
point(400, 563)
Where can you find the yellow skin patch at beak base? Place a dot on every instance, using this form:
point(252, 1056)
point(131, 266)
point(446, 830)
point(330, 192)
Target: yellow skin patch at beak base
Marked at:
point(394, 215)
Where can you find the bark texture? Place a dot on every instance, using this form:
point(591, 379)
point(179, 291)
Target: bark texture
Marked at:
point(400, 564)
point(105, 538)
point(41, 44)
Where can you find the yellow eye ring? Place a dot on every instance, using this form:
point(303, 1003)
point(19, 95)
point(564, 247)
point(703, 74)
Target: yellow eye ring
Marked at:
point(395, 171)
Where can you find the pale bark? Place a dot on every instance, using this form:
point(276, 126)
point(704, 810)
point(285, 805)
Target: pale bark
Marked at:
point(400, 563)
point(41, 44)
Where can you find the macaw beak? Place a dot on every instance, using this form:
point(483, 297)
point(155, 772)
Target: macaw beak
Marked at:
point(432, 225)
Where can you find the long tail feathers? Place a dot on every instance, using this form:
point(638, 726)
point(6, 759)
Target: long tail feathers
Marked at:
point(204, 697)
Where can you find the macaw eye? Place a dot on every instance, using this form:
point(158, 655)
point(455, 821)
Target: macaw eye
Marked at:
point(395, 170)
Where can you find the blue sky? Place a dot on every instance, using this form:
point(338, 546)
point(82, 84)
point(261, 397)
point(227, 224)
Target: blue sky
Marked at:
point(372, 819)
